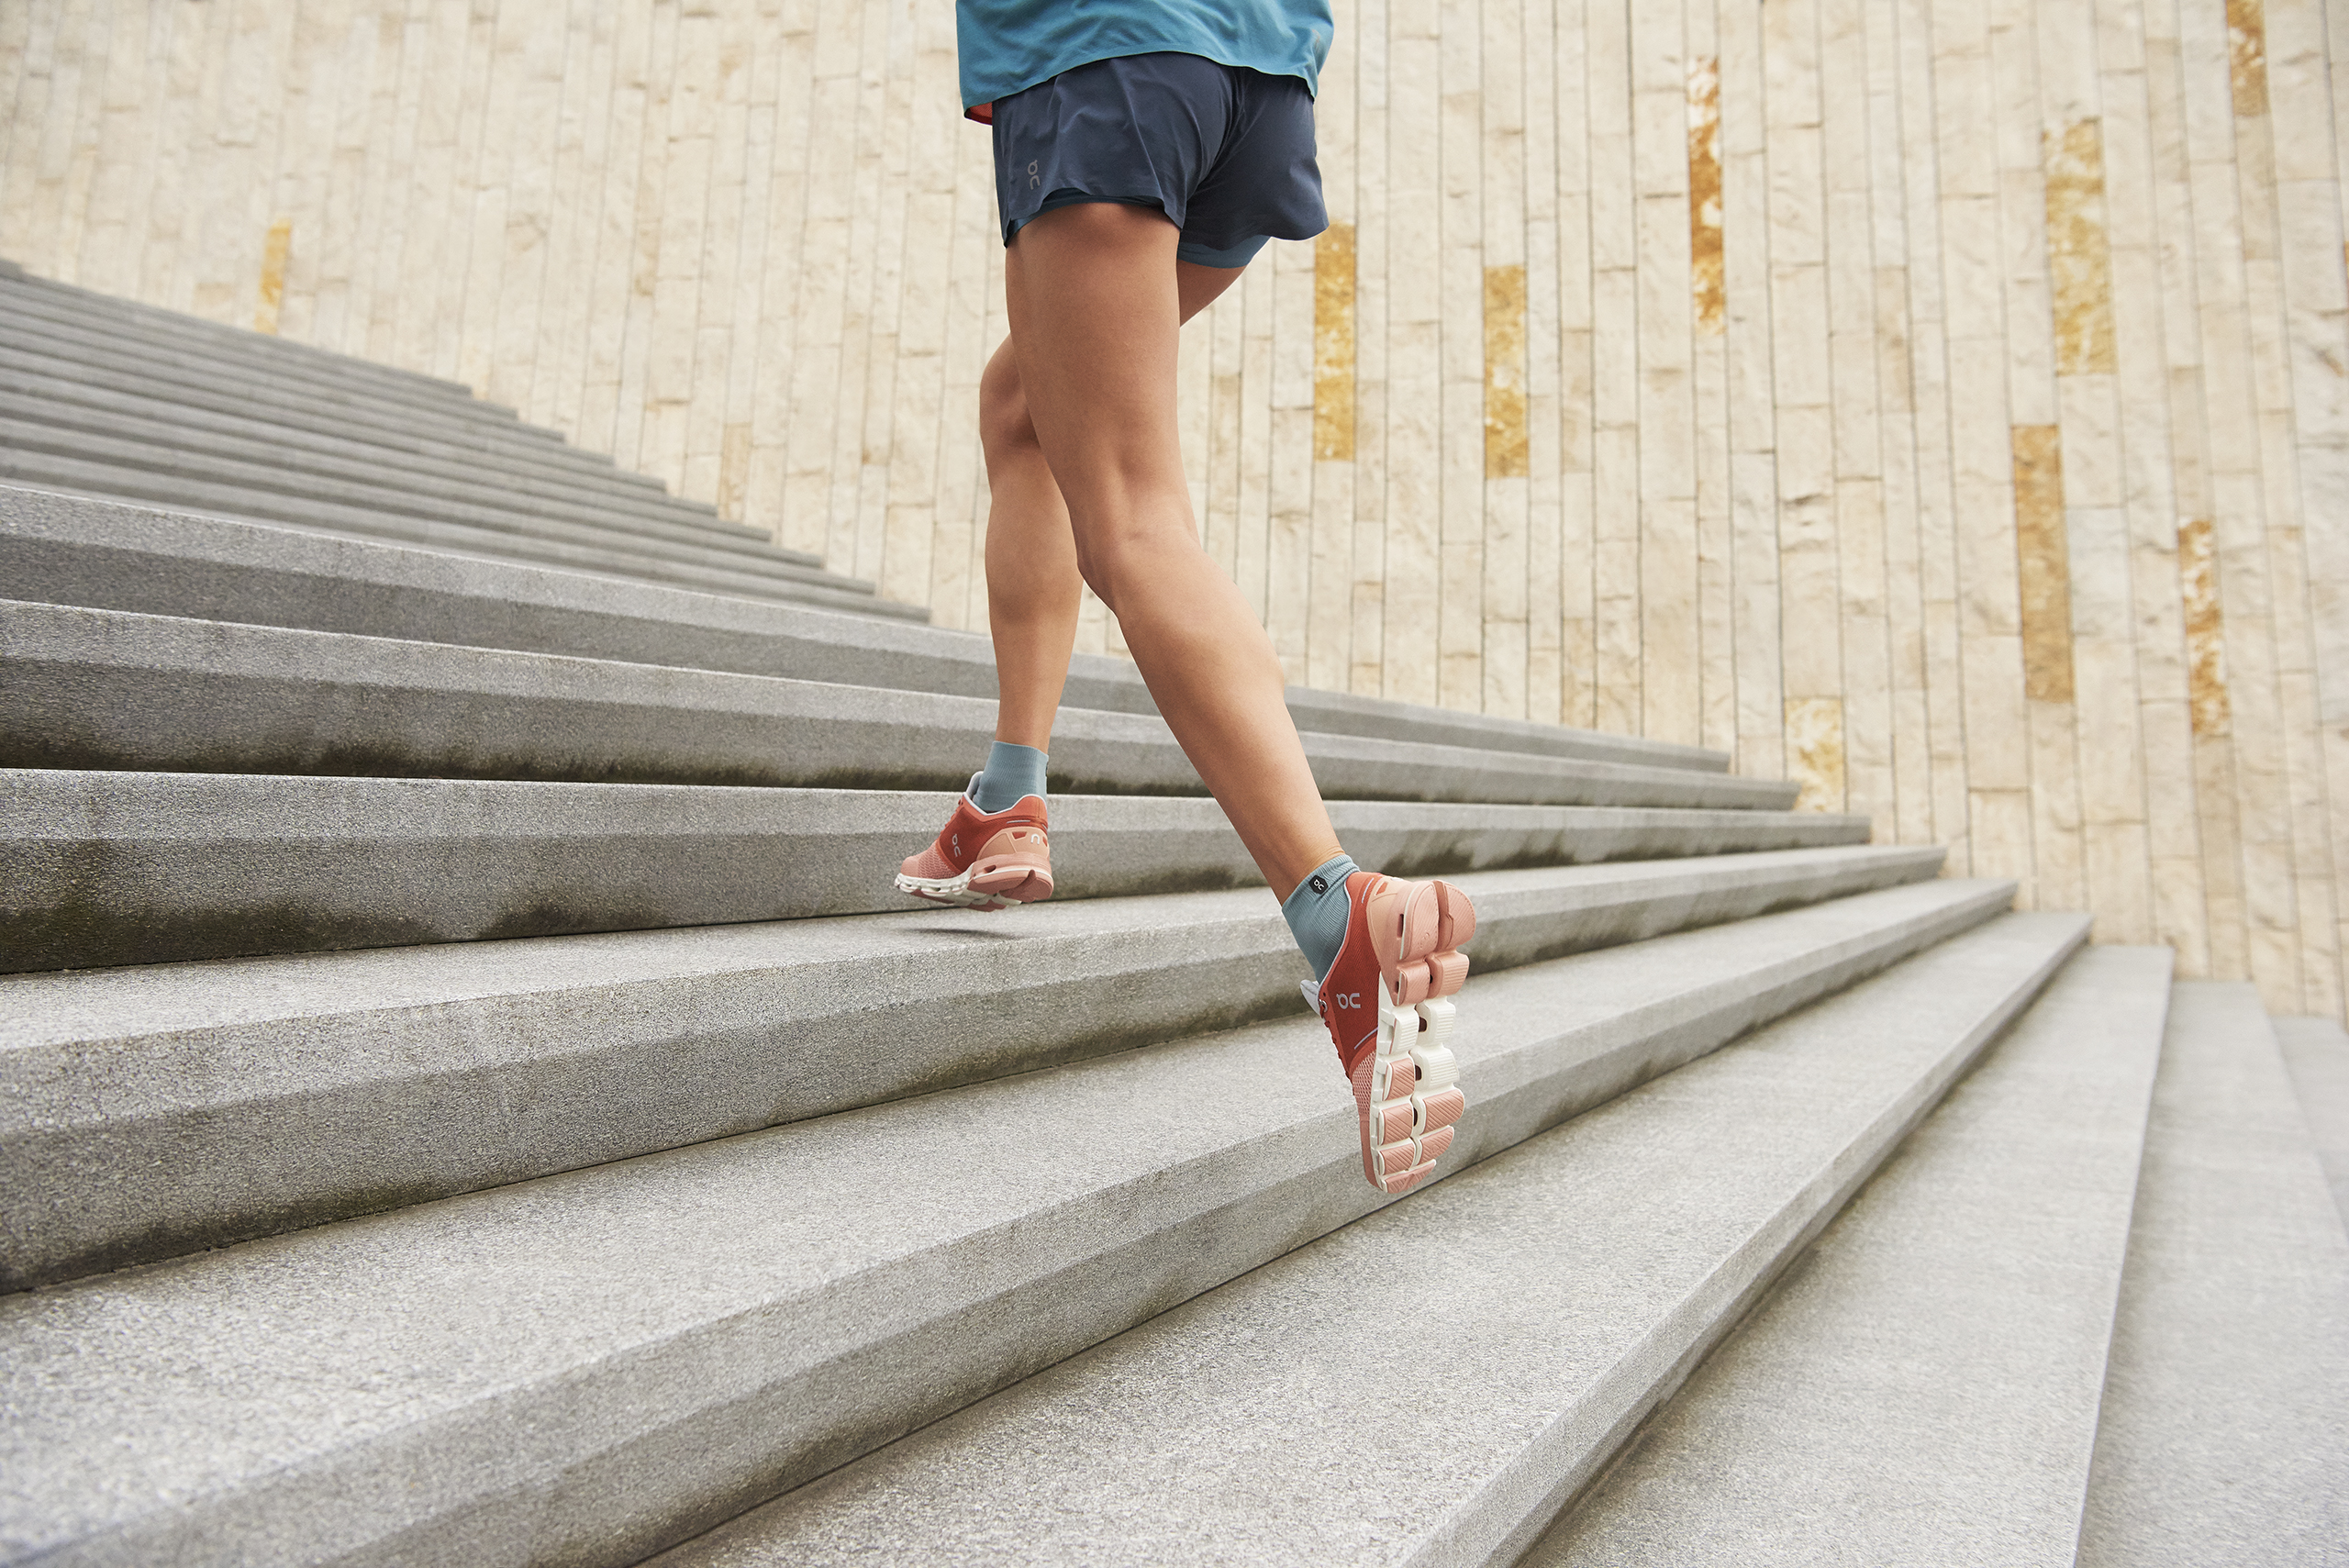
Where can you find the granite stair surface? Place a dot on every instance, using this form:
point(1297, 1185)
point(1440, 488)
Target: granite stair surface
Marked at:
point(98, 398)
point(470, 1093)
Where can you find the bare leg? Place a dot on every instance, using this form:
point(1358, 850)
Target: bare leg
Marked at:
point(1096, 308)
point(1032, 579)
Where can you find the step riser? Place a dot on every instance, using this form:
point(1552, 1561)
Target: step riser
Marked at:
point(263, 490)
point(2223, 1436)
point(82, 481)
point(64, 303)
point(152, 440)
point(168, 363)
point(1259, 1423)
point(109, 868)
point(98, 689)
point(416, 1103)
point(480, 443)
point(645, 1441)
point(1951, 1283)
point(75, 551)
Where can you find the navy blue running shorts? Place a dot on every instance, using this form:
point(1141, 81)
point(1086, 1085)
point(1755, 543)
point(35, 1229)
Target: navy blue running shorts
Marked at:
point(1224, 151)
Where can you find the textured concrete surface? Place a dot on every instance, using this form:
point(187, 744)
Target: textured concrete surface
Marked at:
point(147, 1111)
point(2225, 1436)
point(196, 498)
point(1423, 1386)
point(441, 513)
point(45, 297)
point(105, 689)
point(81, 404)
point(104, 868)
point(2316, 1052)
point(162, 443)
point(488, 444)
point(586, 1367)
point(360, 476)
point(74, 551)
point(1921, 1388)
point(167, 362)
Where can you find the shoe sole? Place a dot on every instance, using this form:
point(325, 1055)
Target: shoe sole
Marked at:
point(981, 887)
point(1409, 1095)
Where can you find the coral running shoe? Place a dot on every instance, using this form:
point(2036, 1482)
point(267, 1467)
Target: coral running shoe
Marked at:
point(1386, 1003)
point(984, 860)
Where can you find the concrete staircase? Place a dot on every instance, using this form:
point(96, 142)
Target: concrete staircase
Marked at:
point(469, 1094)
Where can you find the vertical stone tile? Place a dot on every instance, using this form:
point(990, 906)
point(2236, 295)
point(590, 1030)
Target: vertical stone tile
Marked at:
point(2043, 563)
point(1333, 344)
point(1815, 752)
point(1708, 302)
point(1414, 389)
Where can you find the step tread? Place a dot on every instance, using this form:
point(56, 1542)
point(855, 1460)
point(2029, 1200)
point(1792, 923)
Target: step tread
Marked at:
point(1922, 1386)
point(2223, 1437)
point(88, 303)
point(147, 1111)
point(101, 867)
point(473, 437)
point(2316, 1052)
point(603, 562)
point(1429, 1383)
point(169, 363)
point(624, 1355)
point(116, 689)
point(200, 475)
point(33, 401)
point(111, 555)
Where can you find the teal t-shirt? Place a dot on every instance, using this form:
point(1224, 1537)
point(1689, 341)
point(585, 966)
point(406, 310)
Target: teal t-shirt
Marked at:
point(1009, 45)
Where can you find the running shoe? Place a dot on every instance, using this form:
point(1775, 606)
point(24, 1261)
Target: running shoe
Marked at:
point(1386, 1002)
point(984, 860)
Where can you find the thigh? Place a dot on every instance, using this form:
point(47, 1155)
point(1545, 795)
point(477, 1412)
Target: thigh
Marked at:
point(1095, 315)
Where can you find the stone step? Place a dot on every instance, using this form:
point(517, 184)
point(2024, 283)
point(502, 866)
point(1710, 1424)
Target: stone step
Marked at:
point(587, 1367)
point(2225, 1429)
point(33, 425)
point(612, 555)
point(150, 1111)
point(389, 431)
point(63, 302)
point(109, 868)
point(166, 365)
point(1430, 1384)
point(267, 488)
point(106, 689)
point(1974, 1278)
point(70, 550)
point(2316, 1051)
point(73, 406)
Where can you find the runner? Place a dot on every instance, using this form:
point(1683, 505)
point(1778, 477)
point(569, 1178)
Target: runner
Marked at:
point(1145, 151)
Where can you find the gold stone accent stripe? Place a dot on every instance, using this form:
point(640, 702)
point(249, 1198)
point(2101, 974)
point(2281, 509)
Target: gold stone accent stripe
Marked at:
point(1706, 267)
point(1815, 752)
point(2206, 643)
point(2042, 559)
point(274, 252)
point(1334, 343)
point(1505, 444)
point(2079, 260)
point(2247, 56)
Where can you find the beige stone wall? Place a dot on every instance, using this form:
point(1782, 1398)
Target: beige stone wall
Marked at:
point(1941, 401)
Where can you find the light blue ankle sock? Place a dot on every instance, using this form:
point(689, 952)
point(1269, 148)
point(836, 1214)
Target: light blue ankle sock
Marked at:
point(1317, 912)
point(1011, 773)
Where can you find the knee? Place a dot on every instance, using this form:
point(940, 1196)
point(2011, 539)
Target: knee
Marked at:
point(1004, 424)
